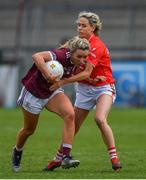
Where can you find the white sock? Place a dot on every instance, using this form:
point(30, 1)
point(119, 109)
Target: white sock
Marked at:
point(18, 149)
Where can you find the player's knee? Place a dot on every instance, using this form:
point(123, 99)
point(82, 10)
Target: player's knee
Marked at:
point(69, 117)
point(28, 132)
point(100, 121)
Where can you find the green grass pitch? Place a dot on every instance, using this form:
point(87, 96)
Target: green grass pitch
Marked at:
point(129, 126)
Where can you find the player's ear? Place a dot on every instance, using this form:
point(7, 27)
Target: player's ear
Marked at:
point(93, 28)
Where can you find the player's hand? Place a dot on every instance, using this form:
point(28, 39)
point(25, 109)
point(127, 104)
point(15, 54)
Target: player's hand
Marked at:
point(95, 80)
point(100, 78)
point(51, 79)
point(56, 85)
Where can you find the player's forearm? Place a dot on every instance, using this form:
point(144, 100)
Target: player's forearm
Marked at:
point(78, 77)
point(40, 63)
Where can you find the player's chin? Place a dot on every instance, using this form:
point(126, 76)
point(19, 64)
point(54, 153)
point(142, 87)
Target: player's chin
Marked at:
point(81, 35)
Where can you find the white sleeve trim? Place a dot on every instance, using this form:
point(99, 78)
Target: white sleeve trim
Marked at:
point(51, 55)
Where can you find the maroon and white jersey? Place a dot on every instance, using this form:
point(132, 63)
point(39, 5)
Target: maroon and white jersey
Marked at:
point(36, 84)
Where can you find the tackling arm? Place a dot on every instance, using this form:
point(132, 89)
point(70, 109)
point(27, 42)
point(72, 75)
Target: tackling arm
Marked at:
point(85, 74)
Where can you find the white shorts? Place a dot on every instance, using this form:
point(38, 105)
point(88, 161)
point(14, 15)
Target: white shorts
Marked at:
point(87, 96)
point(33, 104)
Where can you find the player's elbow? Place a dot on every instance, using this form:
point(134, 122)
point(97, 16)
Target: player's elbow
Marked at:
point(35, 56)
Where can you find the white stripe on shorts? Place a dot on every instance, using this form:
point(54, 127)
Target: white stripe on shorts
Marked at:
point(33, 104)
point(22, 96)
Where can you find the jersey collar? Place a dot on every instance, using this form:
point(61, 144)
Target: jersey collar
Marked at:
point(92, 35)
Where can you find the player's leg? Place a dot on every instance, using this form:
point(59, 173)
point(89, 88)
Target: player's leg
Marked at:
point(103, 107)
point(61, 105)
point(30, 123)
point(80, 116)
point(83, 104)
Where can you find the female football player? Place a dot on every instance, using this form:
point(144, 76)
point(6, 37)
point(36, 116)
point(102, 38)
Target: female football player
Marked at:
point(35, 96)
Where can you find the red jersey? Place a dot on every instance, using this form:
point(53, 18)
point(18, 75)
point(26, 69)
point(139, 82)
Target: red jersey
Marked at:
point(100, 58)
point(37, 85)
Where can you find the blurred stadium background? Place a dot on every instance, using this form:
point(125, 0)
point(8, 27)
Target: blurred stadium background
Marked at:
point(28, 26)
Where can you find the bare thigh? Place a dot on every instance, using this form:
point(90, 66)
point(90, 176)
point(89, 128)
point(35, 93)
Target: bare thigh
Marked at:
point(80, 116)
point(60, 104)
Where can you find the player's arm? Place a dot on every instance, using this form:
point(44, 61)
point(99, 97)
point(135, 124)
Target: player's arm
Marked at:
point(93, 57)
point(85, 74)
point(39, 59)
point(95, 80)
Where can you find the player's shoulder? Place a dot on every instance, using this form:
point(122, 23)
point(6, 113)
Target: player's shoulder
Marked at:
point(66, 51)
point(62, 52)
point(97, 44)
